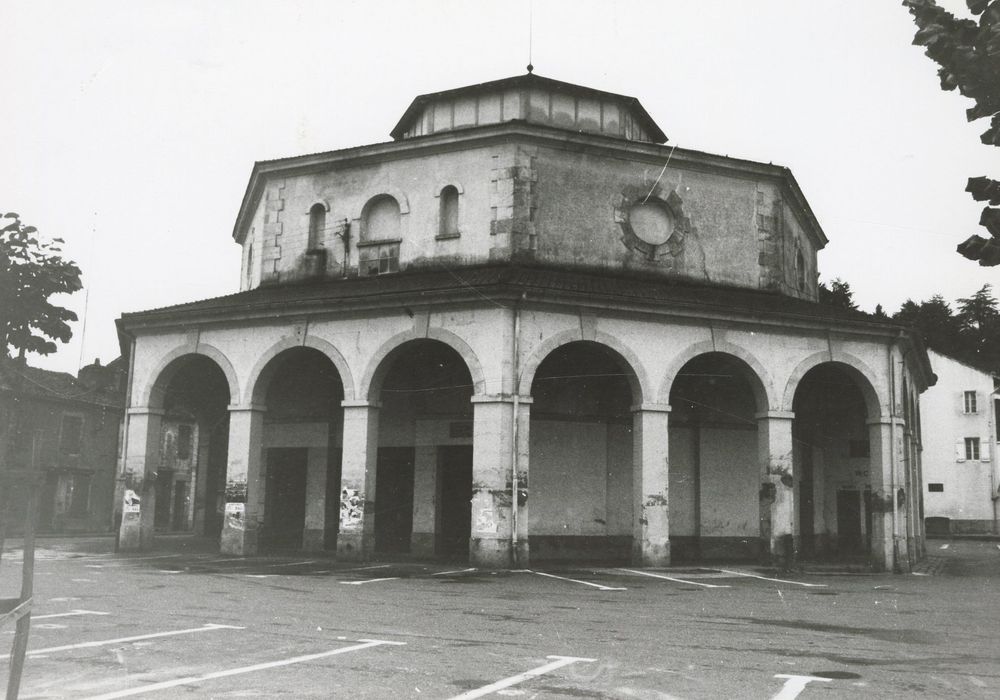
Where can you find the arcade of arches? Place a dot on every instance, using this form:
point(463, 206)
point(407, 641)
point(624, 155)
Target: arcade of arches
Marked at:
point(426, 463)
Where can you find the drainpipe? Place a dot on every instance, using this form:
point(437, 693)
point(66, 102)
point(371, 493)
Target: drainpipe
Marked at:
point(345, 236)
point(892, 453)
point(514, 461)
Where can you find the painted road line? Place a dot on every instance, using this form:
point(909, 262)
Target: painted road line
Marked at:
point(585, 583)
point(268, 566)
point(456, 571)
point(71, 613)
point(365, 644)
point(944, 546)
point(365, 568)
point(559, 662)
point(211, 627)
point(779, 580)
point(676, 580)
point(370, 580)
point(795, 685)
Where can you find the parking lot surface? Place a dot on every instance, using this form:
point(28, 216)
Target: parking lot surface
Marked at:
point(184, 621)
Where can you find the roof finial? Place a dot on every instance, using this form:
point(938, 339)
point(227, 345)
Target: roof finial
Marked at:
point(530, 68)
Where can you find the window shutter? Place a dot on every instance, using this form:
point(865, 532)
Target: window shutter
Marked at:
point(984, 449)
point(960, 450)
point(961, 402)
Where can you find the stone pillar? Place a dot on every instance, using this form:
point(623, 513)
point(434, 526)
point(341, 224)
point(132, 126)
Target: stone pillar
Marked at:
point(492, 435)
point(883, 500)
point(244, 509)
point(650, 485)
point(314, 533)
point(522, 554)
point(777, 489)
point(144, 428)
point(356, 537)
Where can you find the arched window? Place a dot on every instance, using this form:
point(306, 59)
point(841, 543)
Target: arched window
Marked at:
point(449, 211)
point(249, 275)
point(317, 226)
point(381, 219)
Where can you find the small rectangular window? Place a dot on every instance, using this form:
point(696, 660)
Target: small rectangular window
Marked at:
point(184, 433)
point(858, 449)
point(935, 488)
point(972, 448)
point(71, 434)
point(970, 402)
point(379, 259)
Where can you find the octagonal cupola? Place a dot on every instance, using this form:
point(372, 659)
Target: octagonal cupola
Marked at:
point(533, 99)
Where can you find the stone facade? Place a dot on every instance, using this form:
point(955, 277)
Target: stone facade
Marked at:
point(610, 352)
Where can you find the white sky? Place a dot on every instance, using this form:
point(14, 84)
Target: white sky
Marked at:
point(130, 128)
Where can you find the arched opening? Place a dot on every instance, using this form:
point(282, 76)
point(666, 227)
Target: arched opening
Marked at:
point(714, 461)
point(581, 456)
point(423, 480)
point(303, 427)
point(449, 211)
point(317, 226)
point(831, 463)
point(381, 219)
point(191, 471)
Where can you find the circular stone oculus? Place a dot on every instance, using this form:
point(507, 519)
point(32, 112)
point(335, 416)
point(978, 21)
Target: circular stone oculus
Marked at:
point(651, 222)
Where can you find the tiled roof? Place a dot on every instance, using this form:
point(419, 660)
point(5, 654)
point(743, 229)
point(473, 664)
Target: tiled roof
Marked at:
point(44, 383)
point(500, 283)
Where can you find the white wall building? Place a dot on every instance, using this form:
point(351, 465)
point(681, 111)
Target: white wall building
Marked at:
point(959, 449)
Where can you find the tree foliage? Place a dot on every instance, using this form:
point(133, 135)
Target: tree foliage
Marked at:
point(838, 294)
point(32, 270)
point(968, 52)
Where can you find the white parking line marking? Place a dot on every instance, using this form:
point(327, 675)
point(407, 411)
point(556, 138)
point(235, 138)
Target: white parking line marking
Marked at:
point(71, 613)
point(944, 546)
point(795, 685)
point(585, 583)
point(365, 644)
point(456, 571)
point(366, 568)
point(676, 580)
point(559, 662)
point(211, 627)
point(370, 580)
point(779, 580)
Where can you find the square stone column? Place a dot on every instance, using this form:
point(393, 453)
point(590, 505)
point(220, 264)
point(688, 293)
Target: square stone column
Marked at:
point(356, 536)
point(492, 517)
point(244, 509)
point(778, 522)
point(144, 432)
point(650, 485)
point(882, 503)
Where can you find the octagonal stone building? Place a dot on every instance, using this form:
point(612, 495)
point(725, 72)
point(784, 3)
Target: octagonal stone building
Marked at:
point(526, 330)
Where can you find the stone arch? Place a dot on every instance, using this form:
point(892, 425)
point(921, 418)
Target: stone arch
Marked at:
point(394, 192)
point(445, 183)
point(168, 365)
point(256, 387)
point(757, 375)
point(858, 370)
point(636, 376)
point(377, 367)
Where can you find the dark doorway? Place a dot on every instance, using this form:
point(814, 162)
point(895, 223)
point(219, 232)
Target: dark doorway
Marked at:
point(180, 506)
point(164, 494)
point(849, 521)
point(807, 513)
point(454, 501)
point(285, 500)
point(394, 499)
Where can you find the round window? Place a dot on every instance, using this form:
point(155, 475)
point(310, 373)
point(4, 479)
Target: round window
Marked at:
point(651, 222)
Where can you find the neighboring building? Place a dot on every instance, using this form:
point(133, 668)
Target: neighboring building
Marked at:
point(68, 428)
point(527, 298)
point(960, 456)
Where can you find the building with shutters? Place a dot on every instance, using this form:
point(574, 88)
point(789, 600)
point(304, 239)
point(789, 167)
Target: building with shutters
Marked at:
point(67, 428)
point(959, 448)
point(527, 329)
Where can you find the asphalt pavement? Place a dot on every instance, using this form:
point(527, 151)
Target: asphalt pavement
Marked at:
point(184, 621)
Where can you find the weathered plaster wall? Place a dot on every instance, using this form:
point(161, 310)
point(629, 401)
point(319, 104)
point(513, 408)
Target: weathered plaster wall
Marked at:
point(967, 483)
